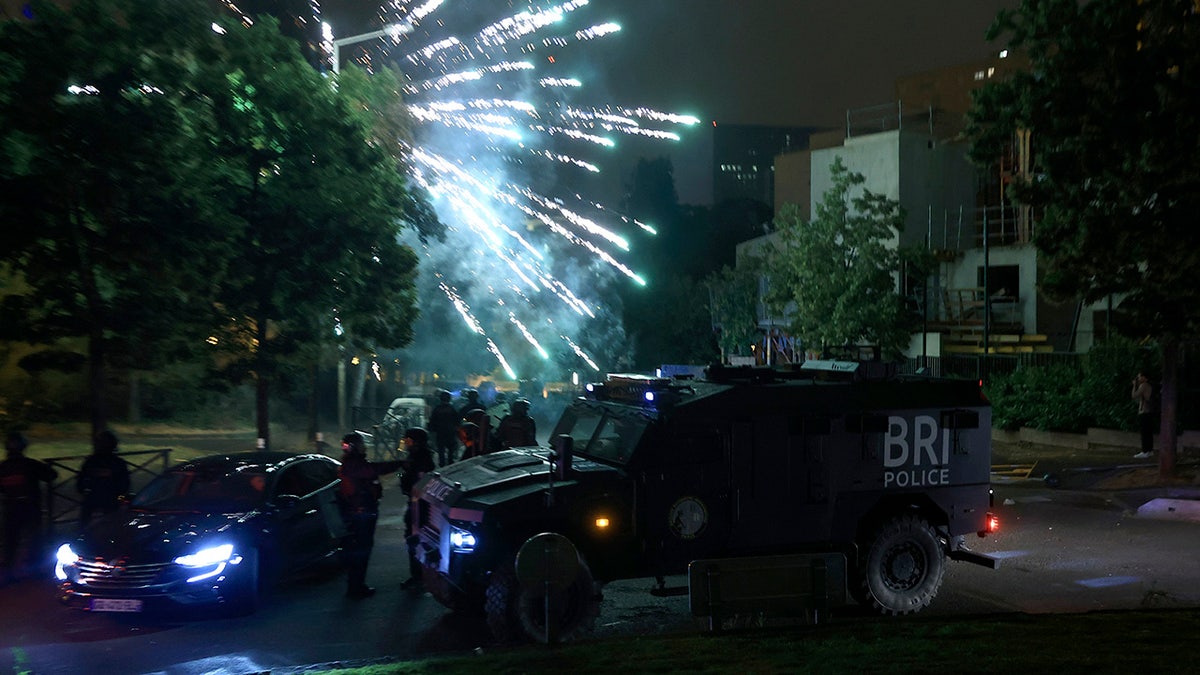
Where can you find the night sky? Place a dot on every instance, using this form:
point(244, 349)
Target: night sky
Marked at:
point(769, 62)
point(774, 62)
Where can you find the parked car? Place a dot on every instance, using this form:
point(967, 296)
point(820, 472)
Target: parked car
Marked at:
point(211, 531)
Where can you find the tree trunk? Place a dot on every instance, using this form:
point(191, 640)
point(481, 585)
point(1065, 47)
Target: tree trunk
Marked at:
point(96, 378)
point(135, 397)
point(313, 407)
point(262, 386)
point(1168, 410)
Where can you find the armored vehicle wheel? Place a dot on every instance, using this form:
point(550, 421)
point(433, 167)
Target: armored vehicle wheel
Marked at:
point(904, 566)
point(516, 613)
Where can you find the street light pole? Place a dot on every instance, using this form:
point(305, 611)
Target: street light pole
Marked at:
point(393, 31)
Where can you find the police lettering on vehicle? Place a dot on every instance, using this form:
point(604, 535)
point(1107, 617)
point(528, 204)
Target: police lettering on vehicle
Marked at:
point(438, 490)
point(913, 455)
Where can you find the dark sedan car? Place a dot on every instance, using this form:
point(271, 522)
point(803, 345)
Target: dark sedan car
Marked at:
point(211, 531)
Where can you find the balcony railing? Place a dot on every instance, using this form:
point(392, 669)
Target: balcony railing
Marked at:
point(961, 229)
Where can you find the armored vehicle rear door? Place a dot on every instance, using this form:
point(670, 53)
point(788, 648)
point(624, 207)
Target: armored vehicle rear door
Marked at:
point(685, 505)
point(781, 478)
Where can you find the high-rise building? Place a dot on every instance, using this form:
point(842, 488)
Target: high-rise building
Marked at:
point(744, 159)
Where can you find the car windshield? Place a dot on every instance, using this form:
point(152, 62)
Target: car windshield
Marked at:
point(204, 491)
point(607, 434)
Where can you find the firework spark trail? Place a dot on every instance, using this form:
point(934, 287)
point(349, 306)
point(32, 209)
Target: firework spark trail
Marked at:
point(528, 336)
point(476, 128)
point(586, 224)
point(579, 351)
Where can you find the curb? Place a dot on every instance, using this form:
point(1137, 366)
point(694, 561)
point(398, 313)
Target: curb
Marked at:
point(1166, 508)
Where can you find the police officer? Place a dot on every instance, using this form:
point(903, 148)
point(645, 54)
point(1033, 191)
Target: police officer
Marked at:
point(103, 479)
point(443, 422)
point(499, 408)
point(517, 429)
point(419, 462)
point(20, 487)
point(473, 403)
point(358, 500)
point(469, 434)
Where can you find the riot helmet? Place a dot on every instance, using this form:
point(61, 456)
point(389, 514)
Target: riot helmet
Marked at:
point(353, 443)
point(417, 435)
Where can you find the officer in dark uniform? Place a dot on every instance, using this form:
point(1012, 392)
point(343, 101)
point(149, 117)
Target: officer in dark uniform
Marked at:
point(419, 463)
point(443, 422)
point(103, 479)
point(358, 500)
point(517, 429)
point(21, 491)
point(469, 434)
point(473, 403)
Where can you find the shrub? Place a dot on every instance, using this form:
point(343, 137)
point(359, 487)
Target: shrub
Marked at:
point(1094, 392)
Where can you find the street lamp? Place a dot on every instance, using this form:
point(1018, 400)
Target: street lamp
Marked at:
point(393, 31)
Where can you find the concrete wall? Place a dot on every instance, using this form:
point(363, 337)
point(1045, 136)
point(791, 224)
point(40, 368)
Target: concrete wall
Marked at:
point(928, 178)
point(965, 274)
point(793, 178)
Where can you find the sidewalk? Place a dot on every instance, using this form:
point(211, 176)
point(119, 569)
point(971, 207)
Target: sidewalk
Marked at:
point(1108, 472)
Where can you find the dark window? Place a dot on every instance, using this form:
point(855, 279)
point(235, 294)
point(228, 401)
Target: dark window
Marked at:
point(1001, 278)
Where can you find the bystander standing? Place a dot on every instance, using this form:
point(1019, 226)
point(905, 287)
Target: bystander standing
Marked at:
point(21, 491)
point(1143, 395)
point(104, 478)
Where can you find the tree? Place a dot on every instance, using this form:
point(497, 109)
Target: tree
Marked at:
point(320, 198)
point(1108, 102)
point(177, 185)
point(734, 299)
point(836, 276)
point(108, 221)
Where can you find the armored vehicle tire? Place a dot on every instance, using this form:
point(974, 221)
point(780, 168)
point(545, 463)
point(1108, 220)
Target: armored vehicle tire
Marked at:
point(516, 614)
point(903, 567)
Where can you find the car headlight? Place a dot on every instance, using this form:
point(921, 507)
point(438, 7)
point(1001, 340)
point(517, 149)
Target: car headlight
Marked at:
point(63, 558)
point(461, 541)
point(211, 560)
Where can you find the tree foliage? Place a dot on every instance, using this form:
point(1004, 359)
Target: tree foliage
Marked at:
point(835, 277)
point(1109, 103)
point(97, 158)
point(206, 187)
point(734, 299)
point(319, 196)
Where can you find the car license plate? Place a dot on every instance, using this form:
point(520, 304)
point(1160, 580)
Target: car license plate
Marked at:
point(116, 605)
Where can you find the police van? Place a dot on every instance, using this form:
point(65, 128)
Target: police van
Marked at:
point(794, 485)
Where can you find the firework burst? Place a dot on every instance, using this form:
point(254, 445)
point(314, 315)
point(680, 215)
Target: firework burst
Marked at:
point(527, 261)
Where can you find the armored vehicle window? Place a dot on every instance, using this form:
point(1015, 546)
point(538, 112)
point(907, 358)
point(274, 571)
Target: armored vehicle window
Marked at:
point(602, 434)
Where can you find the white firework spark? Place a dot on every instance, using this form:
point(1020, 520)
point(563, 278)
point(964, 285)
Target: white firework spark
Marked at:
point(492, 111)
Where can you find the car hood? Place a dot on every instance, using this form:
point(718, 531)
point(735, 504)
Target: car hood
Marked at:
point(144, 537)
point(469, 487)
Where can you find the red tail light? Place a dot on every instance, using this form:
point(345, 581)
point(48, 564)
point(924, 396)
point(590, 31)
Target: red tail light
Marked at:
point(993, 523)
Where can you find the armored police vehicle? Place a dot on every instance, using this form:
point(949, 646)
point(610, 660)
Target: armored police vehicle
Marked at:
point(841, 474)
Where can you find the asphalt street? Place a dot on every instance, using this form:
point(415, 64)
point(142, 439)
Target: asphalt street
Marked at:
point(1065, 549)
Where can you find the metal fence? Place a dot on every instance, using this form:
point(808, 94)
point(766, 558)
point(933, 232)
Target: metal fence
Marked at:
point(64, 500)
point(983, 366)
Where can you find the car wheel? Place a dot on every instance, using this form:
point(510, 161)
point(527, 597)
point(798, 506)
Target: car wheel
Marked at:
point(903, 567)
point(246, 594)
